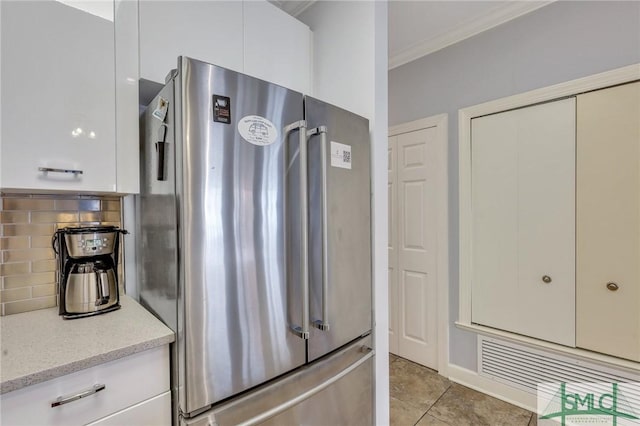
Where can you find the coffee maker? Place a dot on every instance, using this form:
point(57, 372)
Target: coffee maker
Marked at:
point(87, 270)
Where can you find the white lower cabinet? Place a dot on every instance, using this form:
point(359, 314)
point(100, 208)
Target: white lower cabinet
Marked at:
point(152, 412)
point(523, 204)
point(134, 390)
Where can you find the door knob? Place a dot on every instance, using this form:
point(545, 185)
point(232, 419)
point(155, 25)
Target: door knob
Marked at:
point(612, 286)
point(546, 279)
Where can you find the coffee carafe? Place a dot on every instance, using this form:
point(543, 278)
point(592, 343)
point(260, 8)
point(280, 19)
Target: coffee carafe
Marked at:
point(87, 270)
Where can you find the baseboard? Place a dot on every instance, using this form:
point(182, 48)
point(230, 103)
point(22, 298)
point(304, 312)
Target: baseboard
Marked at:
point(473, 380)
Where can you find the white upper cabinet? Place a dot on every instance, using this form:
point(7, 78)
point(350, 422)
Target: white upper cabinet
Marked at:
point(209, 31)
point(127, 114)
point(277, 47)
point(252, 37)
point(70, 72)
point(58, 97)
point(59, 83)
point(523, 209)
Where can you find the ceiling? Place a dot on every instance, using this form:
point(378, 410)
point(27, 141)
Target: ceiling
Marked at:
point(293, 7)
point(418, 28)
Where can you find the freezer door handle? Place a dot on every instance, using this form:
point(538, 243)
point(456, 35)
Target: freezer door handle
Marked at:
point(301, 126)
point(323, 324)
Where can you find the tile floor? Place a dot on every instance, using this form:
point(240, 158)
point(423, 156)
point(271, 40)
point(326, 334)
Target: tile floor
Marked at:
point(421, 397)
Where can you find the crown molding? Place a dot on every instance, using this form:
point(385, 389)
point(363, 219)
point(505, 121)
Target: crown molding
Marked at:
point(467, 29)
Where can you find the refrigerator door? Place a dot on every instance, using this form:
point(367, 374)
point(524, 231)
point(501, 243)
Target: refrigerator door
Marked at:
point(340, 226)
point(238, 304)
point(337, 390)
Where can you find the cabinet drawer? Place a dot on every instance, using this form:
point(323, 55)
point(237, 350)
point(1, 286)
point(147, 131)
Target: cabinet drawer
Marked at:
point(126, 381)
point(152, 412)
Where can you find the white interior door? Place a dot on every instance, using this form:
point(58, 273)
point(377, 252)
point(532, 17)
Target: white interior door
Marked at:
point(413, 243)
point(393, 253)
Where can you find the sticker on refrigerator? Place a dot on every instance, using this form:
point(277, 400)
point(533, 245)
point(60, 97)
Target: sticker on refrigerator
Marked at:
point(257, 130)
point(221, 109)
point(340, 155)
point(161, 109)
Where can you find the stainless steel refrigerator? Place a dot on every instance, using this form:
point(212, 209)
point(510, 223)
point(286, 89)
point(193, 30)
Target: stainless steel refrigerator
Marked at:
point(255, 248)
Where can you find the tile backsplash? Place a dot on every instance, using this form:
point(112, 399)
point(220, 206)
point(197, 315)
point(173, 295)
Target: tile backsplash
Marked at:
point(28, 265)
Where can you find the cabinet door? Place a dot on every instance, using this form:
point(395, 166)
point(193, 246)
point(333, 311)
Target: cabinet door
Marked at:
point(523, 194)
point(209, 31)
point(276, 46)
point(127, 113)
point(58, 95)
point(608, 221)
point(152, 412)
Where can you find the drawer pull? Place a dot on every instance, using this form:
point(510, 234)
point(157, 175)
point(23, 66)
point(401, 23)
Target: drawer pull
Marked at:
point(49, 169)
point(612, 286)
point(67, 399)
point(546, 279)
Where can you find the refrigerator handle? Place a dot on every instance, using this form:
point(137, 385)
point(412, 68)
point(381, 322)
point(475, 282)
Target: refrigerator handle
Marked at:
point(323, 324)
point(301, 126)
point(161, 147)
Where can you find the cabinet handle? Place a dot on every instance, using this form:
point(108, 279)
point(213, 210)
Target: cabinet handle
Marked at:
point(49, 169)
point(67, 399)
point(612, 286)
point(546, 279)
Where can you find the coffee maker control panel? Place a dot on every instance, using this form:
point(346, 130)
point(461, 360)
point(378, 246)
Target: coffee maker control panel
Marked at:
point(93, 245)
point(90, 243)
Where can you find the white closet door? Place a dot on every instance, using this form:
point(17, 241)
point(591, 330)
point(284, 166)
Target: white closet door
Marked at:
point(523, 204)
point(392, 241)
point(608, 221)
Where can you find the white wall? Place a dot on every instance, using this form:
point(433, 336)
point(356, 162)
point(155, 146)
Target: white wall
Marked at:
point(559, 42)
point(350, 71)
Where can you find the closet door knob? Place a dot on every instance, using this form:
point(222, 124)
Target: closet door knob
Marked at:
point(546, 279)
point(612, 286)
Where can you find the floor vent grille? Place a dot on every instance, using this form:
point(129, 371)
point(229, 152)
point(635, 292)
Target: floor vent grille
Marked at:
point(524, 367)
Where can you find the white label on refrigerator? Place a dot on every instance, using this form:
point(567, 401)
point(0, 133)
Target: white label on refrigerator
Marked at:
point(161, 109)
point(257, 130)
point(340, 155)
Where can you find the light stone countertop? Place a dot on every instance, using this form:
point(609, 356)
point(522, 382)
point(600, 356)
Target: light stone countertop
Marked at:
point(40, 345)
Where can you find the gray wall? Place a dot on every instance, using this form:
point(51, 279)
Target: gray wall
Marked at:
point(560, 42)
